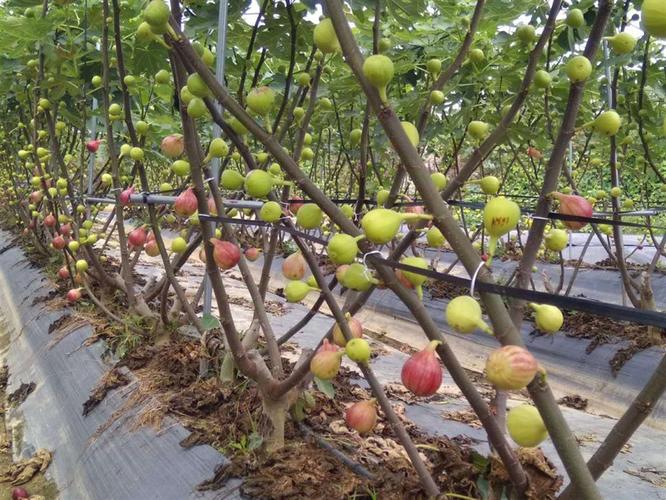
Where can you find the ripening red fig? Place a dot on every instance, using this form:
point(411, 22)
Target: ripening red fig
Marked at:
point(19, 492)
point(252, 254)
point(65, 229)
point(354, 325)
point(212, 207)
point(49, 220)
point(63, 273)
point(185, 203)
point(294, 205)
point(571, 204)
point(35, 197)
point(137, 237)
point(173, 145)
point(93, 145)
point(125, 196)
point(225, 253)
point(326, 364)
point(151, 248)
point(362, 416)
point(327, 346)
point(422, 373)
point(58, 242)
point(511, 368)
point(534, 153)
point(294, 266)
point(73, 295)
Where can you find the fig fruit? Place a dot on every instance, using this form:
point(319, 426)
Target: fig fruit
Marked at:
point(434, 67)
point(325, 365)
point(500, 215)
point(526, 33)
point(412, 133)
point(548, 318)
point(294, 266)
point(578, 69)
point(542, 79)
point(362, 416)
point(325, 38)
point(231, 180)
point(258, 183)
point(342, 248)
point(357, 277)
point(571, 204)
point(439, 180)
point(511, 368)
point(556, 240)
point(309, 216)
point(379, 70)
point(225, 253)
point(422, 372)
point(653, 18)
point(435, 238)
point(575, 18)
point(417, 280)
point(270, 211)
point(463, 314)
point(526, 426)
point(608, 123)
point(358, 350)
point(185, 203)
point(355, 327)
point(381, 225)
point(478, 129)
point(622, 43)
point(296, 290)
point(261, 100)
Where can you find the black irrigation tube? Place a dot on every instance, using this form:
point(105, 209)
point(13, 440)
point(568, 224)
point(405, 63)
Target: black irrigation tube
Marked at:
point(617, 312)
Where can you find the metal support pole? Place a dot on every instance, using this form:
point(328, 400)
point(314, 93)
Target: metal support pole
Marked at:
point(217, 131)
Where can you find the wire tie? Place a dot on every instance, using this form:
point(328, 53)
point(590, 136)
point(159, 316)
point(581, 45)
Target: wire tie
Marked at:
point(474, 276)
point(365, 256)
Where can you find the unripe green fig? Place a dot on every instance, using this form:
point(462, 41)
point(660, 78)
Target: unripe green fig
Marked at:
point(608, 123)
point(185, 95)
point(616, 192)
point(166, 187)
point(44, 103)
point(412, 133)
point(237, 126)
point(526, 33)
point(476, 56)
point(325, 38)
point(115, 109)
point(197, 86)
point(299, 113)
point(179, 245)
point(382, 196)
point(526, 426)
point(417, 280)
point(653, 18)
point(162, 77)
point(355, 136)
point(303, 79)
point(542, 79)
point(347, 210)
point(548, 318)
point(307, 154)
point(478, 129)
point(500, 216)
point(379, 70)
point(231, 180)
point(435, 238)
point(384, 45)
point(381, 225)
point(578, 69)
point(137, 154)
point(275, 169)
point(342, 248)
point(357, 277)
point(270, 211)
point(218, 148)
point(511, 368)
point(129, 80)
point(181, 168)
point(156, 14)
point(439, 180)
point(489, 184)
point(556, 240)
point(73, 246)
point(297, 290)
point(434, 67)
point(575, 18)
point(197, 108)
point(622, 43)
point(463, 314)
point(261, 100)
point(309, 216)
point(325, 103)
point(358, 350)
point(436, 97)
point(258, 183)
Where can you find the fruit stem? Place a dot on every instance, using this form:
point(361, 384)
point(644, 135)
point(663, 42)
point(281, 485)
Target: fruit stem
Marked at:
point(360, 237)
point(432, 346)
point(412, 217)
point(382, 95)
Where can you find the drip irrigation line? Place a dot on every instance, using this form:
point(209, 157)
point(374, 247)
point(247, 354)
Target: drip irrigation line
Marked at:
point(613, 311)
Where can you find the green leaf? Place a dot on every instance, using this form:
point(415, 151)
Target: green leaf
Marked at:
point(326, 387)
point(209, 322)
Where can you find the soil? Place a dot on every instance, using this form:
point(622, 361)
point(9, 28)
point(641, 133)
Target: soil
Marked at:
point(229, 417)
point(29, 473)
